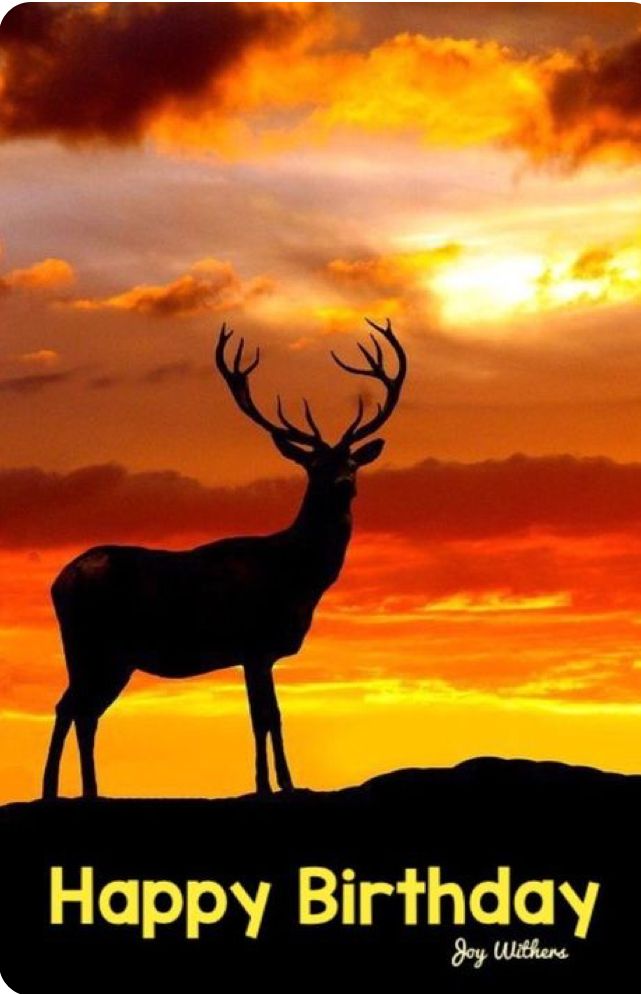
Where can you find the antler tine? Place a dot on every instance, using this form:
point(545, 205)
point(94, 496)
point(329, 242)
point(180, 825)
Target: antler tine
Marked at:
point(310, 420)
point(297, 434)
point(370, 360)
point(239, 356)
point(224, 336)
point(252, 366)
point(392, 383)
point(387, 330)
point(281, 414)
point(351, 369)
point(357, 420)
point(377, 348)
point(237, 379)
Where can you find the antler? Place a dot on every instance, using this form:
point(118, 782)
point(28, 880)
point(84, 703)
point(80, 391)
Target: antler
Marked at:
point(237, 379)
point(357, 431)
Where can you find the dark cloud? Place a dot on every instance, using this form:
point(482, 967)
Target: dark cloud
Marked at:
point(84, 71)
point(107, 503)
point(562, 494)
point(432, 501)
point(181, 369)
point(105, 382)
point(166, 372)
point(34, 382)
point(597, 102)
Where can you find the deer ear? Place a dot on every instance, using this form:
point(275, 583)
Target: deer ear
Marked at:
point(368, 452)
point(291, 451)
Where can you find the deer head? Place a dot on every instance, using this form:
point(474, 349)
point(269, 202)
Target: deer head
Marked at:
point(330, 467)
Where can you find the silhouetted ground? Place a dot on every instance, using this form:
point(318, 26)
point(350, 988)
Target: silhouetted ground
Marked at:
point(544, 820)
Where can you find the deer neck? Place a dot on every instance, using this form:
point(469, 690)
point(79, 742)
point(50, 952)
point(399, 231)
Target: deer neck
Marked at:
point(322, 530)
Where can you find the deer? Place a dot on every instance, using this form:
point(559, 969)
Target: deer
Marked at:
point(246, 601)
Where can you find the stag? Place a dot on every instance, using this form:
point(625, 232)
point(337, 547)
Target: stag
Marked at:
point(236, 602)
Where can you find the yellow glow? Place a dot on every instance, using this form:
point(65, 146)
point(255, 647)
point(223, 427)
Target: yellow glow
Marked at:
point(163, 754)
point(497, 601)
point(486, 287)
point(343, 318)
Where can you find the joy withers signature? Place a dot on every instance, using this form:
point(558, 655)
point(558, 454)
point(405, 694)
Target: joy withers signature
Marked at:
point(477, 956)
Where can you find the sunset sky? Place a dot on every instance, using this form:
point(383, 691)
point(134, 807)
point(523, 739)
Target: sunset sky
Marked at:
point(471, 171)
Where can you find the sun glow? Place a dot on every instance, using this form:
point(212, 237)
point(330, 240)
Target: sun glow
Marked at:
point(481, 288)
point(485, 289)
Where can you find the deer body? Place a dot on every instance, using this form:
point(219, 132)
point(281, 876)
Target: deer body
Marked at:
point(245, 601)
point(177, 614)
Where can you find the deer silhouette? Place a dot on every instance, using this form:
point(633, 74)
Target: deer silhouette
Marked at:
point(239, 601)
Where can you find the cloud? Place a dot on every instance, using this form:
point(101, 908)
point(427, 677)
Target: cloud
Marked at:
point(539, 556)
point(45, 275)
point(41, 357)
point(595, 105)
point(105, 381)
point(446, 92)
point(107, 503)
point(432, 502)
point(391, 272)
point(454, 501)
point(592, 264)
point(100, 70)
point(396, 285)
point(211, 285)
point(169, 372)
point(526, 26)
point(166, 372)
point(598, 275)
point(247, 79)
point(34, 382)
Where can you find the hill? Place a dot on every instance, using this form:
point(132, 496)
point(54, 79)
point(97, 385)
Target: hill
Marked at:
point(570, 826)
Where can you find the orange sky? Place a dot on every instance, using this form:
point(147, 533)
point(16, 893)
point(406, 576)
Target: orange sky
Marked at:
point(470, 170)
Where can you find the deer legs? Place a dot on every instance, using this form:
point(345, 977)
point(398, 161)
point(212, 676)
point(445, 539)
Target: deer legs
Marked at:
point(82, 704)
point(266, 721)
point(86, 726)
point(64, 717)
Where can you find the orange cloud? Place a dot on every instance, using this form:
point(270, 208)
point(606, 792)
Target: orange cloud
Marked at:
point(448, 92)
point(392, 271)
point(444, 91)
point(394, 285)
point(40, 276)
point(211, 285)
point(246, 79)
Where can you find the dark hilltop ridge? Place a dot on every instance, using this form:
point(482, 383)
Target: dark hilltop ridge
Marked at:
point(544, 820)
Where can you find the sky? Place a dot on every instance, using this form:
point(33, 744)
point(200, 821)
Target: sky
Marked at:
point(470, 171)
